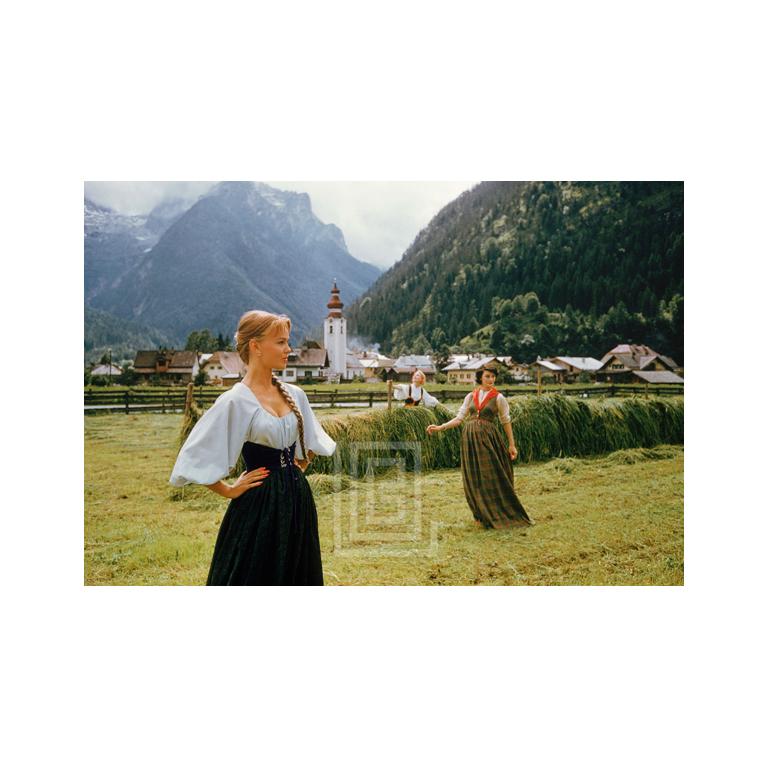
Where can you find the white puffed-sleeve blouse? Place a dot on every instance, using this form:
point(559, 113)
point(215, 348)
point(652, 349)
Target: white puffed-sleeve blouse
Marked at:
point(213, 447)
point(502, 403)
point(400, 391)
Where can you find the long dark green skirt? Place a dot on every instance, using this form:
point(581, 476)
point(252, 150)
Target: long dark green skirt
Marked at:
point(269, 535)
point(488, 477)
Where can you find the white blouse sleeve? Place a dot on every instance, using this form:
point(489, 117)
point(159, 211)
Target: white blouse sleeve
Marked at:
point(316, 438)
point(503, 408)
point(464, 410)
point(400, 391)
point(429, 400)
point(215, 443)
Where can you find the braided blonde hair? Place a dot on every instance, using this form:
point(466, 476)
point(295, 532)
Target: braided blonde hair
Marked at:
point(255, 325)
point(295, 408)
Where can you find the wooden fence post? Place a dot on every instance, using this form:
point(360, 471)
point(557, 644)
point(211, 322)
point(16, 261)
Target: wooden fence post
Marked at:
point(127, 398)
point(389, 394)
point(189, 398)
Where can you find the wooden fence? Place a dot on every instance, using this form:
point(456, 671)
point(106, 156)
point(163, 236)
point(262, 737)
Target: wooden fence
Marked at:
point(171, 399)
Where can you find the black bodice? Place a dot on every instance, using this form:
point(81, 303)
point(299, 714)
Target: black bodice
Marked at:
point(257, 455)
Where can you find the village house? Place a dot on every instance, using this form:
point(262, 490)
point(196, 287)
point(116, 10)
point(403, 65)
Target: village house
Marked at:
point(404, 367)
point(308, 364)
point(550, 371)
point(518, 371)
point(575, 366)
point(106, 370)
point(222, 368)
point(455, 372)
point(168, 365)
point(623, 360)
point(355, 368)
point(375, 367)
point(462, 371)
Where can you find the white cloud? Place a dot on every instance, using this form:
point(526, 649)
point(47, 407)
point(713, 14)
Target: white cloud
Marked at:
point(136, 197)
point(379, 219)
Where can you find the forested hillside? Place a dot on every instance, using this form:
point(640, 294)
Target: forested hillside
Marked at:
point(538, 268)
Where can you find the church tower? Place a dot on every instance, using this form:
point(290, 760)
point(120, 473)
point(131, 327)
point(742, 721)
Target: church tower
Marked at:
point(335, 334)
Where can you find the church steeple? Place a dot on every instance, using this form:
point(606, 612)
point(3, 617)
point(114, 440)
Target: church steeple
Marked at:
point(335, 304)
point(335, 334)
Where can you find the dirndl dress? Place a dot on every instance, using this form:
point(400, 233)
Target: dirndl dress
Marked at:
point(269, 535)
point(486, 470)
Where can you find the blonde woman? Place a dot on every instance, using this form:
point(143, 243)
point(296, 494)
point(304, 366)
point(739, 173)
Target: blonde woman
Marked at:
point(414, 393)
point(486, 463)
point(269, 533)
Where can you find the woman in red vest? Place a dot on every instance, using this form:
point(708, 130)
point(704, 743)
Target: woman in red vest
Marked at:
point(486, 463)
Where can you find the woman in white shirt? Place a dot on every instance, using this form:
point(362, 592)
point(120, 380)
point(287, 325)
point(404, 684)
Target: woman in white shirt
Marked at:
point(414, 393)
point(486, 463)
point(269, 533)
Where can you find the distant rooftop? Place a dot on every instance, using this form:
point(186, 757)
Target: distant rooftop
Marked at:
point(659, 377)
point(583, 363)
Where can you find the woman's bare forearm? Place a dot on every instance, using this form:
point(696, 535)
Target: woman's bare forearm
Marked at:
point(510, 436)
point(221, 488)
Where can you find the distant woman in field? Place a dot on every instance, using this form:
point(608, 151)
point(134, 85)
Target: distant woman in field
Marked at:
point(414, 393)
point(486, 463)
point(269, 533)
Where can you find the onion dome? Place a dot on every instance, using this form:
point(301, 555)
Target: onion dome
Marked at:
point(335, 304)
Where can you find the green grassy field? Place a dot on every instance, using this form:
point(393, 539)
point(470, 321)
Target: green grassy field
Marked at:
point(610, 519)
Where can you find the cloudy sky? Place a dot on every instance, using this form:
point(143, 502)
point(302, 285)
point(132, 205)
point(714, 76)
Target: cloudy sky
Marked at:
point(379, 219)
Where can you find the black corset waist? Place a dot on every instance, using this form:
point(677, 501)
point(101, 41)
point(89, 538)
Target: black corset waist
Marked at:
point(257, 455)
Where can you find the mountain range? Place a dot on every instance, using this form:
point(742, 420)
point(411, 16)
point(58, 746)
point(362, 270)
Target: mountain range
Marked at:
point(190, 266)
point(509, 268)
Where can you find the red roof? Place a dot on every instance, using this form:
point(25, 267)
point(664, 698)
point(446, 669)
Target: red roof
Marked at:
point(177, 361)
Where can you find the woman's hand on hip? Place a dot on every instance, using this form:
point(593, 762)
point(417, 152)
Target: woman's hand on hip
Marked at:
point(248, 480)
point(302, 464)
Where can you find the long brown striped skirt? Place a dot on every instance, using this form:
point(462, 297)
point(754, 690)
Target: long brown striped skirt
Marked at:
point(488, 477)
